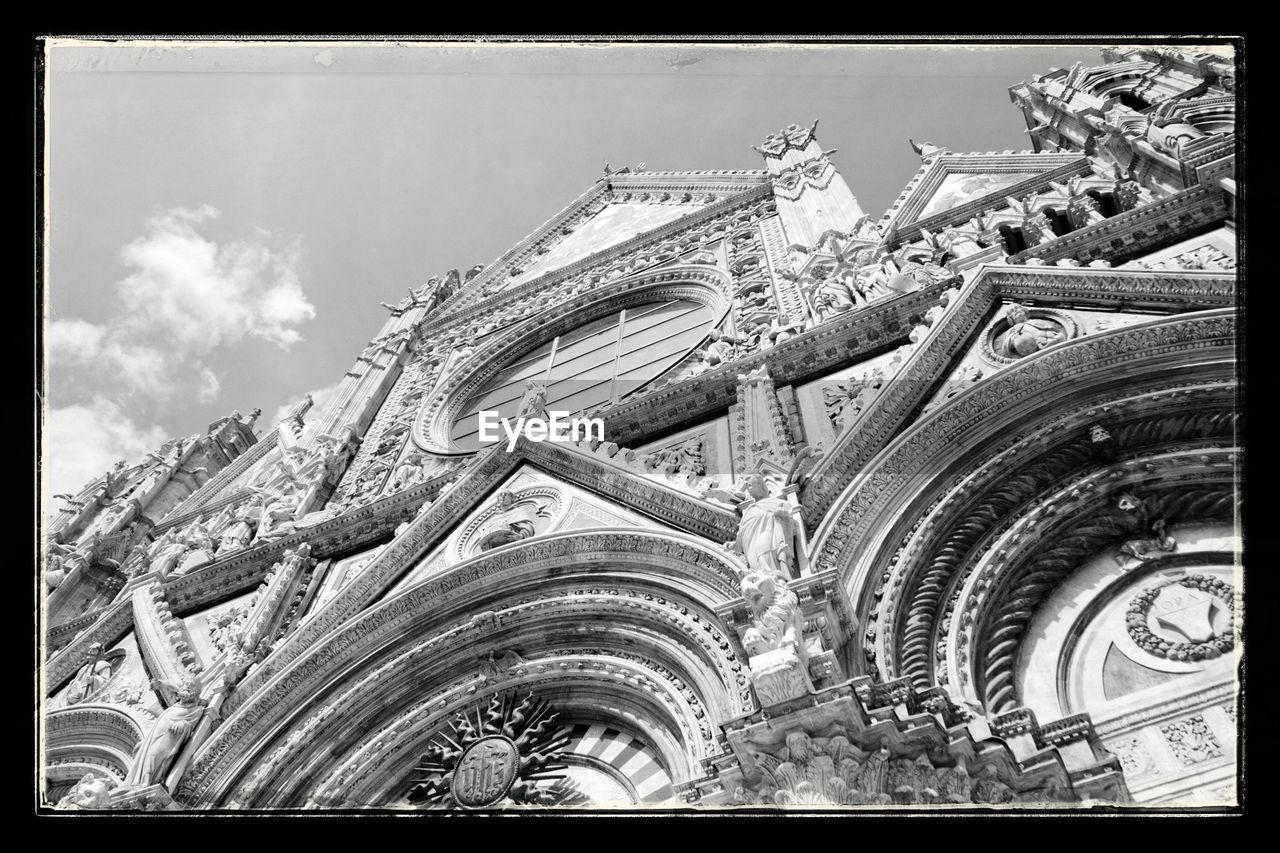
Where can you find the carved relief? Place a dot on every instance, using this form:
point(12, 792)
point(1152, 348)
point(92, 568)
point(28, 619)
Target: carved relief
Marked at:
point(513, 755)
point(1134, 757)
point(1183, 612)
point(1191, 740)
point(1022, 331)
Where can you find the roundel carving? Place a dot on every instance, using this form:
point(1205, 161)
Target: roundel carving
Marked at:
point(1187, 619)
point(485, 772)
point(1021, 331)
point(511, 517)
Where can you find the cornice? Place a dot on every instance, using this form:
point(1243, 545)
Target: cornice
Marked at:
point(845, 339)
point(470, 308)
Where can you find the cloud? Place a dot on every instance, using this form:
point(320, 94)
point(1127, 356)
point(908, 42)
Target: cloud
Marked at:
point(83, 441)
point(76, 341)
point(187, 296)
point(198, 295)
point(210, 386)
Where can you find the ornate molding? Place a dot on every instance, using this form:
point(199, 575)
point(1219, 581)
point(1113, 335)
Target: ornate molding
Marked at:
point(697, 568)
point(875, 425)
point(953, 424)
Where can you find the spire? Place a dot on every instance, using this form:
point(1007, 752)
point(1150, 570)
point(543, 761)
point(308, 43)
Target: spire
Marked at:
point(812, 196)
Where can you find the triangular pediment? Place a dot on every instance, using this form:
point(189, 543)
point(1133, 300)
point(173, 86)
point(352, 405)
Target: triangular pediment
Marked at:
point(951, 188)
point(622, 209)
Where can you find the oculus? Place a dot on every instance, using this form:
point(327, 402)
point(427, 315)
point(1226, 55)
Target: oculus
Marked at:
point(596, 363)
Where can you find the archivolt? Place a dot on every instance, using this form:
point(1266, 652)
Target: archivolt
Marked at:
point(660, 587)
point(1014, 416)
point(92, 737)
point(990, 510)
point(1018, 587)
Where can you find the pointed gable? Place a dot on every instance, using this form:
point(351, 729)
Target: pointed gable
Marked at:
point(951, 188)
point(624, 207)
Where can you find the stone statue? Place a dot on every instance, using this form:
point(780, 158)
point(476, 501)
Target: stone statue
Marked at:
point(766, 531)
point(720, 349)
point(1026, 335)
point(836, 295)
point(171, 730)
point(277, 520)
point(408, 472)
point(775, 614)
point(92, 677)
point(200, 549)
point(512, 521)
point(63, 560)
point(780, 331)
point(165, 552)
point(91, 792)
point(240, 532)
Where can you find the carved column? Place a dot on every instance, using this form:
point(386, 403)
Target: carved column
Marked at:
point(759, 424)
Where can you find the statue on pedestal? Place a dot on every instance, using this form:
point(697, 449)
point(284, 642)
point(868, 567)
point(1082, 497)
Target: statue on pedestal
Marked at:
point(171, 730)
point(767, 528)
point(166, 552)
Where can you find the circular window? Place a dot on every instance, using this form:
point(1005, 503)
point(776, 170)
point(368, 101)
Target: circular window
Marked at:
point(604, 360)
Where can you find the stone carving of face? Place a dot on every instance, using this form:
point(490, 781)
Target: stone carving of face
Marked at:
point(799, 747)
point(756, 486)
point(188, 693)
point(758, 590)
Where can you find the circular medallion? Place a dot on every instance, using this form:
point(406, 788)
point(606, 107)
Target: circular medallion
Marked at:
point(1021, 331)
point(485, 771)
point(1187, 619)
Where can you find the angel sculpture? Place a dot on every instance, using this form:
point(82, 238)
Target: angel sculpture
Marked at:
point(768, 537)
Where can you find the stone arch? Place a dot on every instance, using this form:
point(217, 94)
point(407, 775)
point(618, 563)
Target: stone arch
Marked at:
point(655, 592)
point(100, 739)
point(706, 285)
point(907, 524)
point(597, 688)
point(1007, 586)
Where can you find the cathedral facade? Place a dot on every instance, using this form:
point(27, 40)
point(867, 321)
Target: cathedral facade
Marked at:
point(931, 509)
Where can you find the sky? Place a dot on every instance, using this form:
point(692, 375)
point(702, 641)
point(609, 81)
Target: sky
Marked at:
point(224, 219)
